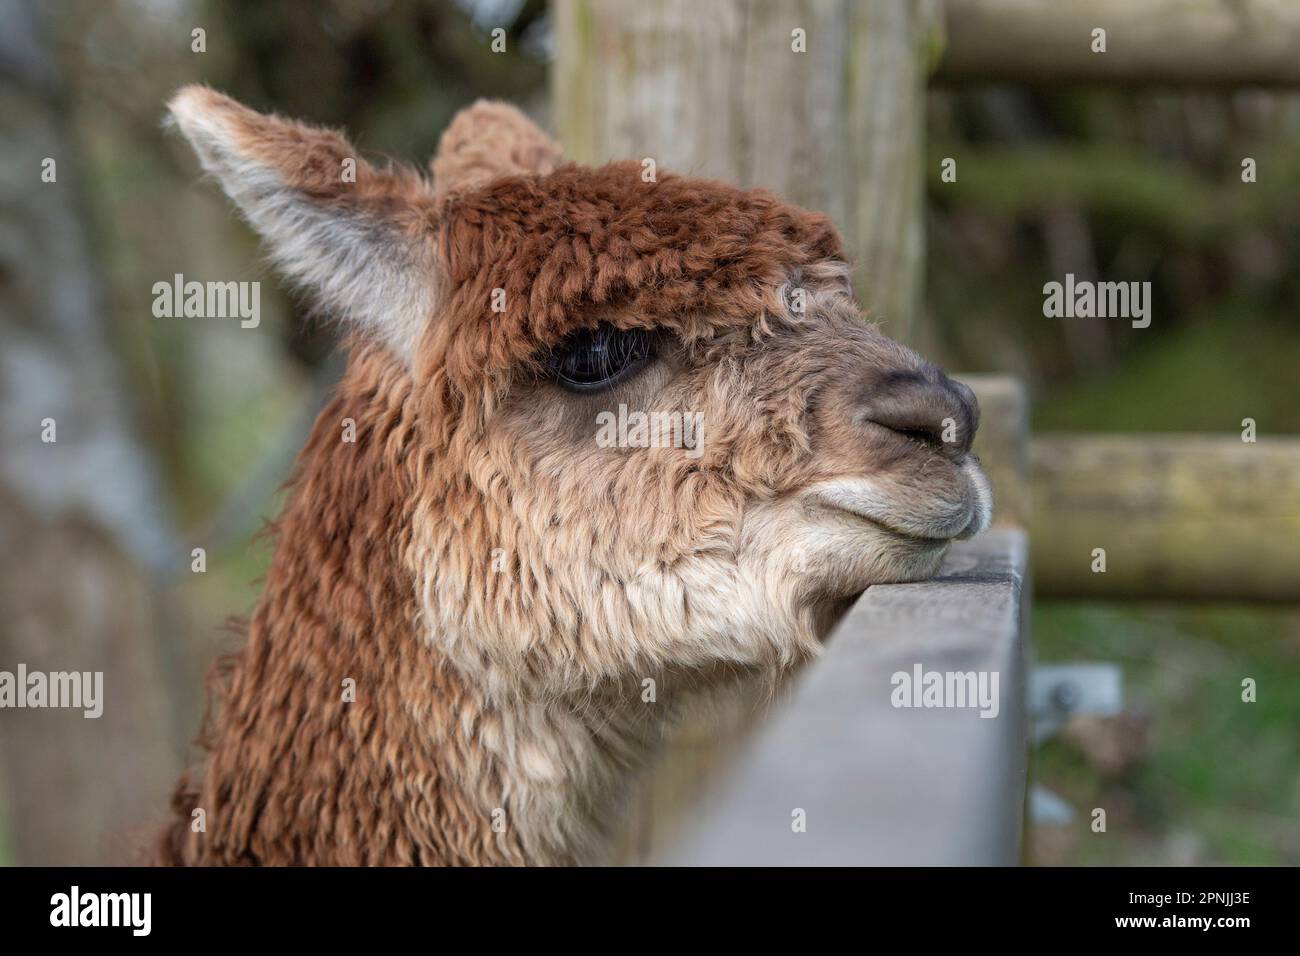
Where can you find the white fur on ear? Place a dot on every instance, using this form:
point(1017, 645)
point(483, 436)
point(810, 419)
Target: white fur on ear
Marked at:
point(358, 238)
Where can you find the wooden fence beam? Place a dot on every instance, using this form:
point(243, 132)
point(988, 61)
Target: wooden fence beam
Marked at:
point(880, 784)
point(1187, 517)
point(1175, 42)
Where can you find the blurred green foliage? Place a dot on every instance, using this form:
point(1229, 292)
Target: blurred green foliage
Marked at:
point(1122, 187)
point(1218, 781)
point(1205, 376)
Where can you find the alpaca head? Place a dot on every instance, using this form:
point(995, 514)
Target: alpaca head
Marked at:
point(644, 425)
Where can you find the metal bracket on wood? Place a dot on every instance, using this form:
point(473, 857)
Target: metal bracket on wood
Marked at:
point(1058, 692)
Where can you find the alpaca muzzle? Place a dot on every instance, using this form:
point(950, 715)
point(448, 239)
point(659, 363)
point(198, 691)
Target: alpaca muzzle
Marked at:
point(926, 406)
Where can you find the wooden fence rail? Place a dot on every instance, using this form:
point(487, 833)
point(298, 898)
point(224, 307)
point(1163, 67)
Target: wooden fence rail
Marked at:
point(1204, 517)
point(1168, 42)
point(876, 783)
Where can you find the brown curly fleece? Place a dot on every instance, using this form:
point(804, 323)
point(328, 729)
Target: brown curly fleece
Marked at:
point(497, 587)
point(566, 245)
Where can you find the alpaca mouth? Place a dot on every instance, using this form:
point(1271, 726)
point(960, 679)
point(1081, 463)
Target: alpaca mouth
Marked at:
point(963, 512)
point(981, 498)
point(893, 529)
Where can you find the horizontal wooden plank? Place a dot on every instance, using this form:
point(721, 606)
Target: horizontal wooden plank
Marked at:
point(1178, 516)
point(878, 783)
point(1165, 42)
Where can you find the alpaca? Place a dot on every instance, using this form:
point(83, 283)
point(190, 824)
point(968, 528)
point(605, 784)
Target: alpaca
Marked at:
point(497, 588)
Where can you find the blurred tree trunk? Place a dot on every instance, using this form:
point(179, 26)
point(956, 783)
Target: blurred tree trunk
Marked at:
point(83, 521)
point(718, 90)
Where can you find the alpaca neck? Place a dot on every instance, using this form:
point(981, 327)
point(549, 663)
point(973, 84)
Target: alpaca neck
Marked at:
point(565, 769)
point(343, 735)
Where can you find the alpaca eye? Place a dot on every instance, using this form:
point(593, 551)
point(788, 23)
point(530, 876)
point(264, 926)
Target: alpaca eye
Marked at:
point(590, 361)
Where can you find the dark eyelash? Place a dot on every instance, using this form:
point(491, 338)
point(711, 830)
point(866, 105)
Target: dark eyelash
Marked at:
point(596, 359)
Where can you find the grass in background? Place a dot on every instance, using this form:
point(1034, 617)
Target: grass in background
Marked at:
point(1218, 780)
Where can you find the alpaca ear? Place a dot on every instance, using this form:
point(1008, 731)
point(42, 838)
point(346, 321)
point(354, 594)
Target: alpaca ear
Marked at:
point(489, 140)
point(358, 237)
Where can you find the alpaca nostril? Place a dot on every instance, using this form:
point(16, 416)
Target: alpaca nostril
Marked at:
point(932, 437)
point(927, 407)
